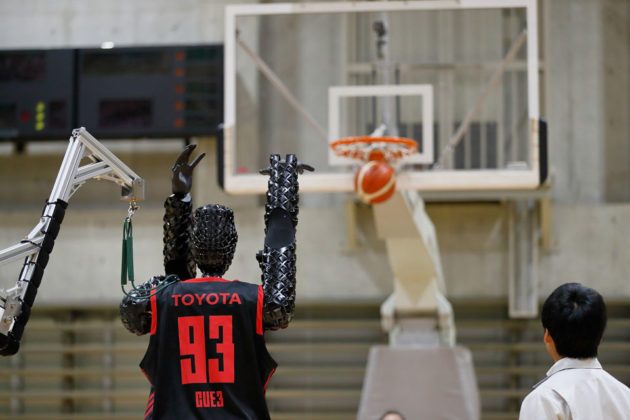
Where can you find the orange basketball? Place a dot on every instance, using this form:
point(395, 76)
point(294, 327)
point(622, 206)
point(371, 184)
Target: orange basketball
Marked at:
point(375, 182)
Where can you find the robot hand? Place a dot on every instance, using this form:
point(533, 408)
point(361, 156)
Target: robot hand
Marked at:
point(290, 160)
point(178, 217)
point(181, 179)
point(282, 190)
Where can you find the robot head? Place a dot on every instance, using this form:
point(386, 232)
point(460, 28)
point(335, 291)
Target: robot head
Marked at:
point(213, 239)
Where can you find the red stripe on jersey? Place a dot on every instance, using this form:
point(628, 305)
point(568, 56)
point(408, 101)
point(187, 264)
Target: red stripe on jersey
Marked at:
point(153, 314)
point(204, 279)
point(267, 383)
point(259, 308)
point(149, 405)
point(149, 411)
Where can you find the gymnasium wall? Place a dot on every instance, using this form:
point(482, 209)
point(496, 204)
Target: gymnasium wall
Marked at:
point(586, 91)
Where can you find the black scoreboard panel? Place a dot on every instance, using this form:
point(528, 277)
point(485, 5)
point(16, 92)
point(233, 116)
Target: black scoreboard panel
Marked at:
point(171, 91)
point(165, 91)
point(36, 94)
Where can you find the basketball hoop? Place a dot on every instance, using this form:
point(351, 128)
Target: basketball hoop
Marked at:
point(367, 148)
point(375, 181)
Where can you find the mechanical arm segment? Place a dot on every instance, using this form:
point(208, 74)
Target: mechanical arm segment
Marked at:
point(16, 302)
point(277, 259)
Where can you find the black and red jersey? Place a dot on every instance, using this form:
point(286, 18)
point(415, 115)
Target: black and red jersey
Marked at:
point(207, 357)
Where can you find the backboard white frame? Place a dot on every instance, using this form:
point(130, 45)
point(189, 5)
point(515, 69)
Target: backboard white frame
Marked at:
point(478, 181)
point(337, 93)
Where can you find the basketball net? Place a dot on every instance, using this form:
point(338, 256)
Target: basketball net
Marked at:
point(377, 175)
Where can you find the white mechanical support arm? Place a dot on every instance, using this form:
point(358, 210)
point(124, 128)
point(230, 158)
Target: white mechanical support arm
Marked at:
point(16, 302)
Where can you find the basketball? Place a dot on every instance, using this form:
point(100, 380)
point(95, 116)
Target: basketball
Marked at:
point(375, 182)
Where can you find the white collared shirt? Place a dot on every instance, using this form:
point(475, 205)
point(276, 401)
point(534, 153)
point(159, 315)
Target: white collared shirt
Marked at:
point(577, 389)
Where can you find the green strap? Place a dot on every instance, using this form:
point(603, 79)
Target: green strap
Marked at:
point(126, 272)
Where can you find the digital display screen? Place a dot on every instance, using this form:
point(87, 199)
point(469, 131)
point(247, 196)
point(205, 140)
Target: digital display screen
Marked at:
point(22, 67)
point(203, 87)
point(151, 91)
point(113, 63)
point(126, 113)
point(7, 117)
point(128, 92)
point(37, 94)
point(203, 53)
point(58, 115)
point(201, 72)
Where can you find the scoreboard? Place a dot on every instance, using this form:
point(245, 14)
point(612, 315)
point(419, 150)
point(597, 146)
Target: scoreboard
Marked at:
point(172, 91)
point(168, 91)
point(36, 94)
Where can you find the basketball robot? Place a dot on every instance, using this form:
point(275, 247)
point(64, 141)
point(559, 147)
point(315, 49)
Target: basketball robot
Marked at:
point(206, 357)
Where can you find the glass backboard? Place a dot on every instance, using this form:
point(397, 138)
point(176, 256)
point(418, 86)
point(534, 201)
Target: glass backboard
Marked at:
point(458, 77)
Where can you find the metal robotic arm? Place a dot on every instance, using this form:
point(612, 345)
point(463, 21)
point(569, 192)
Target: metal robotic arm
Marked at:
point(16, 302)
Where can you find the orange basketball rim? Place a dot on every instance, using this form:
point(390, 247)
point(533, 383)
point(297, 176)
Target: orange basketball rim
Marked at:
point(375, 181)
point(366, 148)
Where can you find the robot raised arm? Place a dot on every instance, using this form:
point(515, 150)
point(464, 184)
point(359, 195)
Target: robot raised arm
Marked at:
point(134, 308)
point(277, 259)
point(178, 257)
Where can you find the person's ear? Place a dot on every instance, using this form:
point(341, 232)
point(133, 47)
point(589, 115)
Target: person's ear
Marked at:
point(551, 346)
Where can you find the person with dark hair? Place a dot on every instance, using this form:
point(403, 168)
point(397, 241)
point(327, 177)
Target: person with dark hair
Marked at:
point(392, 415)
point(576, 387)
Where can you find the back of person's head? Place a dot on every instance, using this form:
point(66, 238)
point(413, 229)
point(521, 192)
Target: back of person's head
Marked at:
point(392, 415)
point(575, 317)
